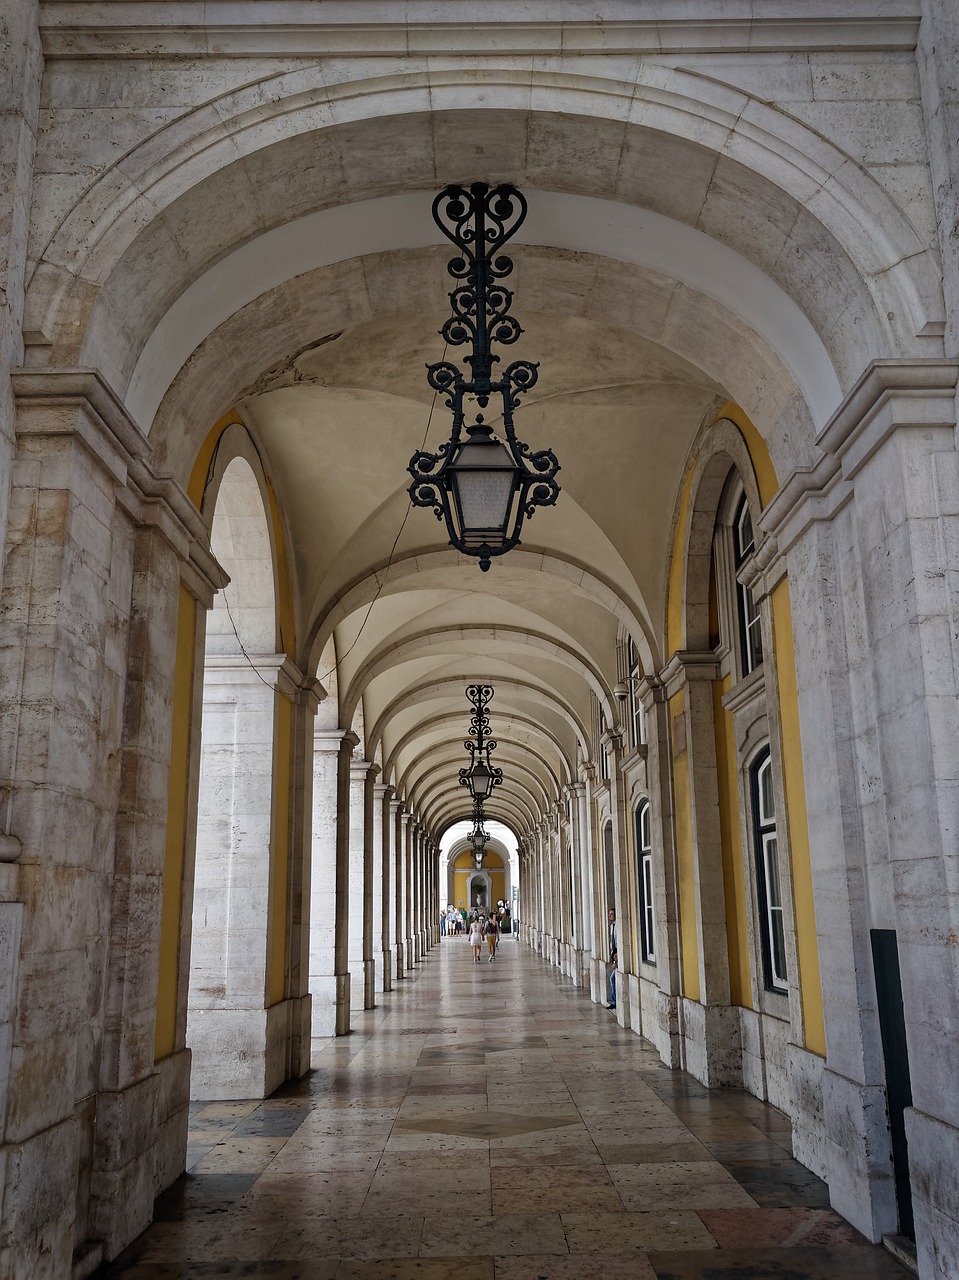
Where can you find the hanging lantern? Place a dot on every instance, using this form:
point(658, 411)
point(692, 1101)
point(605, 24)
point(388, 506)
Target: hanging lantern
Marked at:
point(480, 776)
point(483, 487)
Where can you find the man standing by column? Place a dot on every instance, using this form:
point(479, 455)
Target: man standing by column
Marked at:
point(611, 966)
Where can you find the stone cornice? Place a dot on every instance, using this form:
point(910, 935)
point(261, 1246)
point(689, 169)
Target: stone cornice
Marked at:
point(684, 667)
point(362, 28)
point(889, 396)
point(110, 435)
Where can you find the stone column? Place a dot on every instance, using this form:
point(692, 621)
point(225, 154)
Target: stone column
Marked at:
point(234, 1056)
point(383, 830)
point(871, 540)
point(372, 886)
point(576, 792)
point(621, 875)
point(359, 884)
point(341, 933)
point(662, 1027)
point(402, 820)
point(21, 75)
point(330, 748)
point(424, 909)
point(384, 799)
point(710, 1025)
point(410, 892)
point(96, 552)
point(307, 700)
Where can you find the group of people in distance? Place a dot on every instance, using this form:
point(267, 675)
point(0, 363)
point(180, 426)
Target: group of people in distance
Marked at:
point(477, 926)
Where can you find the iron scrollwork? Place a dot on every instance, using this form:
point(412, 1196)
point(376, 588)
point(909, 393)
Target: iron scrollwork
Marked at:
point(480, 743)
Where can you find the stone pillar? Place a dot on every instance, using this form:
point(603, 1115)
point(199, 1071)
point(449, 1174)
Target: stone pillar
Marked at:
point(306, 702)
point(359, 885)
point(384, 799)
point(341, 933)
point(235, 1053)
point(424, 906)
point(372, 886)
point(404, 961)
point(21, 74)
point(383, 835)
point(329, 748)
point(96, 553)
point(871, 540)
point(410, 891)
point(621, 877)
point(710, 1025)
point(661, 1002)
point(576, 792)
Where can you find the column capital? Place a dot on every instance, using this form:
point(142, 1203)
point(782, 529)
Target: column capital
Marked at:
point(891, 395)
point(685, 667)
point(89, 412)
point(384, 791)
point(361, 768)
point(334, 739)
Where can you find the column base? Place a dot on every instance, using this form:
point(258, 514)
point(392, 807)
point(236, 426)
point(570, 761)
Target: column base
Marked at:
point(369, 984)
point(39, 1203)
point(712, 1050)
point(400, 958)
point(238, 1053)
point(933, 1160)
point(323, 992)
point(859, 1155)
point(411, 956)
point(387, 963)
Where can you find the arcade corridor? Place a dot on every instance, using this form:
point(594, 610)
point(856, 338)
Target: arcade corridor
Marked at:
point(491, 1121)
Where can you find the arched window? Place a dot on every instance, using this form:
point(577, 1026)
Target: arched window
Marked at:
point(768, 880)
point(647, 922)
point(750, 630)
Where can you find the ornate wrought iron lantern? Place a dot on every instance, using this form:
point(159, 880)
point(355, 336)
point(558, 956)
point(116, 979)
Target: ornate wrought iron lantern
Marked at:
point(480, 776)
point(479, 838)
point(483, 487)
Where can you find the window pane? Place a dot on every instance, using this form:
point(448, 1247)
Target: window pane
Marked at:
point(767, 806)
point(744, 532)
point(777, 943)
point(771, 858)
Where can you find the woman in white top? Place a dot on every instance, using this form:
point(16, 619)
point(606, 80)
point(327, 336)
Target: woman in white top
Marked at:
point(476, 939)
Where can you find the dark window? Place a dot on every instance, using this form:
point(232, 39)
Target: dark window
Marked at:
point(767, 868)
point(750, 629)
point(637, 726)
point(647, 922)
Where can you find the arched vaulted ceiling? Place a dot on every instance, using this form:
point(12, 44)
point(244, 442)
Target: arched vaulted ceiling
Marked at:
point(681, 252)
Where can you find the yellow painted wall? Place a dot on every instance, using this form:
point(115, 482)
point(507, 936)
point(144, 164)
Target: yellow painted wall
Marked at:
point(810, 981)
point(763, 467)
point(176, 827)
point(463, 868)
point(734, 880)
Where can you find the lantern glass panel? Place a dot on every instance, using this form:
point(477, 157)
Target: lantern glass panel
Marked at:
point(483, 478)
point(480, 780)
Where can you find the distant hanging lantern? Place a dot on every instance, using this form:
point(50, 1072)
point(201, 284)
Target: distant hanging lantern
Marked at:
point(480, 776)
point(482, 486)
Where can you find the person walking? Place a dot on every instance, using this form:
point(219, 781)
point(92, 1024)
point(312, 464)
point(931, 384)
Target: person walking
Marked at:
point(476, 939)
point(492, 937)
point(613, 955)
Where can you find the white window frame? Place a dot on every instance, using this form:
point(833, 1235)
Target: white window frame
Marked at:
point(647, 914)
point(770, 879)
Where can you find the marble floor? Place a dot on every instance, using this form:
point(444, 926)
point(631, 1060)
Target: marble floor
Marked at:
point(488, 1121)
